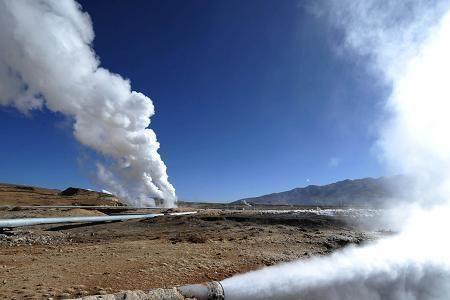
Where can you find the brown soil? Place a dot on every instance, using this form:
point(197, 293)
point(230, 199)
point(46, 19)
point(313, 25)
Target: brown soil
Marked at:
point(64, 261)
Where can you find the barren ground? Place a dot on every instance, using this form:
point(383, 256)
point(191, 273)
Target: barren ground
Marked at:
point(64, 261)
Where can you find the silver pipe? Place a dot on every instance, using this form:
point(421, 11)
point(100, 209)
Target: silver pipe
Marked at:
point(207, 291)
point(82, 206)
point(184, 213)
point(10, 223)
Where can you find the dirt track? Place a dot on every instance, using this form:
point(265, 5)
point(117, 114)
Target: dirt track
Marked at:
point(63, 261)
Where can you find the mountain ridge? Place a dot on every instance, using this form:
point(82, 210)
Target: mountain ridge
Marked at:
point(364, 191)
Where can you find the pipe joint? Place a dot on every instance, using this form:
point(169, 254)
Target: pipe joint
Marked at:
point(208, 291)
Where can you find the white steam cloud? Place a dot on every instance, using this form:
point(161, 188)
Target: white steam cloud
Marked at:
point(407, 43)
point(46, 59)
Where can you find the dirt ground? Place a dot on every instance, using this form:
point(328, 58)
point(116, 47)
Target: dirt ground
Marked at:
point(64, 261)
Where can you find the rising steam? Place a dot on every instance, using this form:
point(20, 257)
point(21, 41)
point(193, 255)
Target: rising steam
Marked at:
point(407, 43)
point(46, 59)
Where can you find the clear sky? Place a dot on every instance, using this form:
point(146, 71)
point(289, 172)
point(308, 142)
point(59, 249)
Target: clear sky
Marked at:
point(251, 97)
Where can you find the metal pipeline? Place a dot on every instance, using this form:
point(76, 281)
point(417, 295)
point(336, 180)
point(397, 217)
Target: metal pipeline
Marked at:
point(207, 291)
point(80, 206)
point(10, 223)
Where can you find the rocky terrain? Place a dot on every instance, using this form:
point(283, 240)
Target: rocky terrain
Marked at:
point(67, 261)
point(64, 261)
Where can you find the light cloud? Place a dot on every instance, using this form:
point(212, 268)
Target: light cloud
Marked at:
point(334, 162)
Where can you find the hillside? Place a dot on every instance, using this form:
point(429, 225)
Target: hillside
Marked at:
point(366, 191)
point(21, 195)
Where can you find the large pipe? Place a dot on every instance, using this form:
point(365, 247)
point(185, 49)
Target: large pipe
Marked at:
point(207, 291)
point(10, 223)
point(80, 206)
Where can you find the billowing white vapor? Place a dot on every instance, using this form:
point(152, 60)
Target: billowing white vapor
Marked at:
point(407, 43)
point(46, 59)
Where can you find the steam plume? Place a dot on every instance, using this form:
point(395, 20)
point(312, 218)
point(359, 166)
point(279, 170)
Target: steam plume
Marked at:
point(46, 59)
point(407, 43)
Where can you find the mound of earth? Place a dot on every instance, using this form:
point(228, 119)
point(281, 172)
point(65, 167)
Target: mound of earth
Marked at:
point(80, 212)
point(48, 213)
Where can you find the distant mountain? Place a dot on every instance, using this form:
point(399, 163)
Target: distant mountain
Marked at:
point(366, 191)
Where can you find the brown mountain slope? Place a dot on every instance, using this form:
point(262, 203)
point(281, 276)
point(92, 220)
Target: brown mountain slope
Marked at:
point(21, 195)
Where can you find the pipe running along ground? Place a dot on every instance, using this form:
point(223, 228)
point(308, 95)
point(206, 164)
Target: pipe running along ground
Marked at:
point(10, 223)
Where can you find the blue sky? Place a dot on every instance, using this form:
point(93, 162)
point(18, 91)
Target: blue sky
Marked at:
point(251, 97)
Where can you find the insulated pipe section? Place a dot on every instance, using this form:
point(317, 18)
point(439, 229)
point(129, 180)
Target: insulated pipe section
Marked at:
point(81, 206)
point(10, 223)
point(207, 291)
